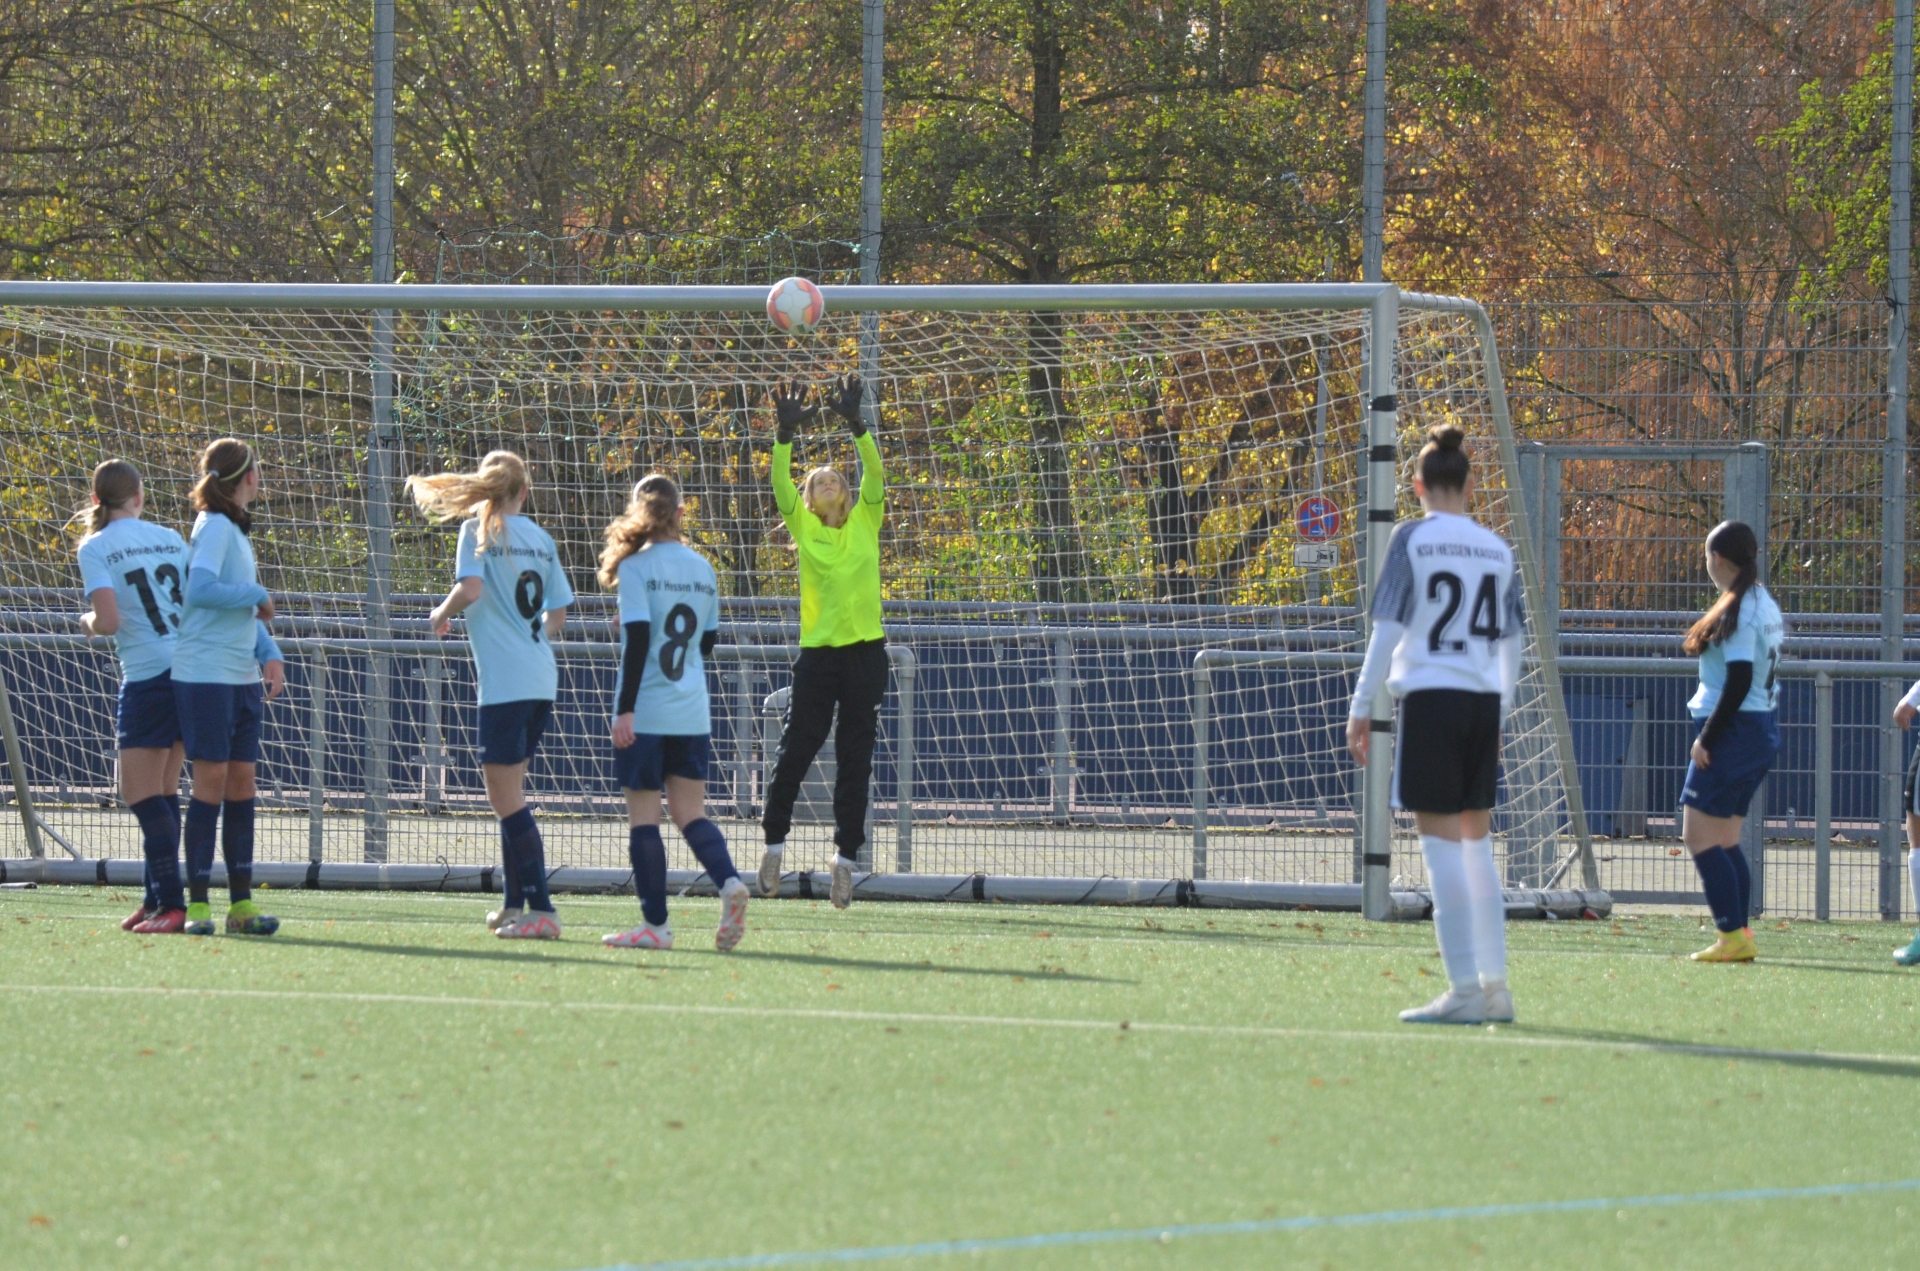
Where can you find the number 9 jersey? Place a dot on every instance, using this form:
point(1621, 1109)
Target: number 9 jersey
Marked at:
point(145, 565)
point(520, 581)
point(1455, 587)
point(671, 588)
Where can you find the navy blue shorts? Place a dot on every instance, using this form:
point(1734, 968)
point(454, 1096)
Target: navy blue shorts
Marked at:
point(651, 759)
point(221, 722)
point(1741, 760)
point(510, 731)
point(149, 718)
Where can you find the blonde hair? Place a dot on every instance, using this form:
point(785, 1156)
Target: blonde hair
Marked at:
point(223, 465)
point(115, 482)
point(450, 496)
point(810, 496)
point(652, 509)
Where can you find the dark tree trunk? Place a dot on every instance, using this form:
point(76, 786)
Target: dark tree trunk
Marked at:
point(1174, 515)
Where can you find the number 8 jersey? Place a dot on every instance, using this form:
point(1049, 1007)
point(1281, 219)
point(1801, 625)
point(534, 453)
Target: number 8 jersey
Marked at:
point(520, 581)
point(671, 588)
point(1452, 583)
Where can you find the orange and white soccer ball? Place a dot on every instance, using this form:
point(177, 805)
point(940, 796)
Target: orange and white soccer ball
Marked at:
point(795, 305)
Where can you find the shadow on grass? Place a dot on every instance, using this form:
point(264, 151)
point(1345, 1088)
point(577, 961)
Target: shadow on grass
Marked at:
point(1866, 1065)
point(513, 956)
point(924, 968)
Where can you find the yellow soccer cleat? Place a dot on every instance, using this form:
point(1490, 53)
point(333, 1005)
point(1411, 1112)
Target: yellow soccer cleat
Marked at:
point(1732, 946)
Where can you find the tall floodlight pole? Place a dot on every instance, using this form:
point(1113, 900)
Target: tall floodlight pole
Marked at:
point(1373, 156)
point(380, 447)
point(1893, 496)
point(872, 140)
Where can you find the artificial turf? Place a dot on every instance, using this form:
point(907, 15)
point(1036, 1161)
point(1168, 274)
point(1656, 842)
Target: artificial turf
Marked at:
point(383, 1084)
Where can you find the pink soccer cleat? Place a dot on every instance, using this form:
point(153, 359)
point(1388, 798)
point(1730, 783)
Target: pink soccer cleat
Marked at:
point(534, 924)
point(641, 937)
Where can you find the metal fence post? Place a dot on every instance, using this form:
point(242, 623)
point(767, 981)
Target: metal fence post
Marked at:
point(17, 766)
point(743, 742)
point(1753, 841)
point(1202, 709)
point(433, 769)
point(1822, 796)
point(317, 673)
point(905, 667)
point(1062, 729)
point(1383, 452)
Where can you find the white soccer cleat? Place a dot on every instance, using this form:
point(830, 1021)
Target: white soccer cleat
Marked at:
point(535, 924)
point(1455, 1006)
point(841, 893)
point(641, 937)
point(501, 917)
point(733, 915)
point(769, 876)
point(1499, 1003)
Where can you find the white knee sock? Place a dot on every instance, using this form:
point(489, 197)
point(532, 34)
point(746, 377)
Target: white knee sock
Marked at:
point(1913, 874)
point(1452, 909)
point(1489, 911)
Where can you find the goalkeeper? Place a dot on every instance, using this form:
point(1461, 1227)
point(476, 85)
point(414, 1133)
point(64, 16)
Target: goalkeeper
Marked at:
point(843, 655)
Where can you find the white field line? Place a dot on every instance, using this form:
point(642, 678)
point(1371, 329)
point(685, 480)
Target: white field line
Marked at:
point(1489, 1036)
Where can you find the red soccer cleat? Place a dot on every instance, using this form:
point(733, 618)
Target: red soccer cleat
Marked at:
point(165, 922)
point(133, 920)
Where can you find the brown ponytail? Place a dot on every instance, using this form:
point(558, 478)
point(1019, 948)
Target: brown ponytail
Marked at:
point(115, 483)
point(1736, 542)
point(652, 511)
point(222, 467)
point(1443, 465)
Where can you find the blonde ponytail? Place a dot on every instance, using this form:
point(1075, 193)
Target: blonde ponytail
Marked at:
point(455, 496)
point(653, 511)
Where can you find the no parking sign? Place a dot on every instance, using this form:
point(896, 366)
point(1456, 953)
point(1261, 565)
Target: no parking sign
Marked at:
point(1317, 519)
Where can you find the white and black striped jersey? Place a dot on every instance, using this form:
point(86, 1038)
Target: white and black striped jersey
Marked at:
point(1454, 588)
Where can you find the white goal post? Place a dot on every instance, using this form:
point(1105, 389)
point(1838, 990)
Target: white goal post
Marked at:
point(1130, 532)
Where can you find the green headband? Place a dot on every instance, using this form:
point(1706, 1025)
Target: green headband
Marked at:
point(238, 472)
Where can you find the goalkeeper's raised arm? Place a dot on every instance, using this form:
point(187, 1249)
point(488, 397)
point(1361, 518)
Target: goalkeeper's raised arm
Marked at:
point(843, 656)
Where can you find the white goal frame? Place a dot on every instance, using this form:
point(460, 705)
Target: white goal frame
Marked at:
point(1383, 303)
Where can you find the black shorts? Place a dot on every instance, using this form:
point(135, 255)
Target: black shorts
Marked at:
point(510, 732)
point(1446, 752)
point(1913, 778)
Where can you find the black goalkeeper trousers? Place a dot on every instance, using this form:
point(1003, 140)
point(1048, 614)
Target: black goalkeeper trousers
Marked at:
point(851, 679)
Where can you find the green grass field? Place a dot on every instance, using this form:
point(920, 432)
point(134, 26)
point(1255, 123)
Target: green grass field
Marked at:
point(385, 1085)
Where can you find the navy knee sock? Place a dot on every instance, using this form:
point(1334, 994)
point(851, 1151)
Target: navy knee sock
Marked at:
point(203, 823)
point(160, 845)
point(236, 845)
point(530, 854)
point(1744, 873)
point(1722, 886)
point(710, 849)
point(649, 857)
point(510, 897)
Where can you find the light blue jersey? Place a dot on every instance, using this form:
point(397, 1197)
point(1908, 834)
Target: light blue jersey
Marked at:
point(670, 587)
point(521, 580)
point(146, 566)
point(217, 639)
point(1756, 639)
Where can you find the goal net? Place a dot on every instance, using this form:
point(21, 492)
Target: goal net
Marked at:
point(1086, 488)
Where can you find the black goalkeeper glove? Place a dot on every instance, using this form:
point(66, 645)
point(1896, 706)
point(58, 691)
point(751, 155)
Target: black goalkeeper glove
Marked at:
point(790, 410)
point(845, 402)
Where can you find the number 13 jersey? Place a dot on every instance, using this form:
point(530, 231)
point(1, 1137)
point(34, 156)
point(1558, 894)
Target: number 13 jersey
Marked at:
point(145, 565)
point(1453, 584)
point(671, 588)
point(520, 580)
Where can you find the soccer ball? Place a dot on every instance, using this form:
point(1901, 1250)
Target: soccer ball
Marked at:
point(795, 305)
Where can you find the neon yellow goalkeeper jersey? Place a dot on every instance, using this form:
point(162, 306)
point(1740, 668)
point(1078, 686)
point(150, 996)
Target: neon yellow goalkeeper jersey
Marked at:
point(839, 568)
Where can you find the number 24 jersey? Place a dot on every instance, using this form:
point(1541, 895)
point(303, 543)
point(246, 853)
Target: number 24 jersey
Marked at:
point(670, 587)
point(520, 580)
point(1453, 584)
